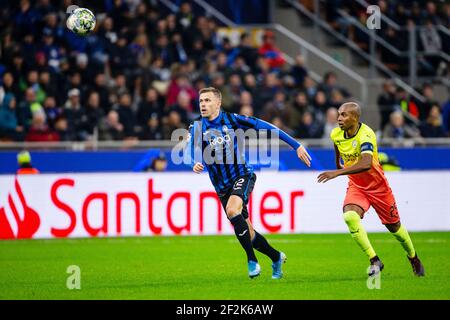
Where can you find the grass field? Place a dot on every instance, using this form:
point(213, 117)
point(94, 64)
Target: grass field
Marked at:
point(214, 267)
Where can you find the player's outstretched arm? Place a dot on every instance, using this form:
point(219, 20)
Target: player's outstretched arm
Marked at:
point(192, 147)
point(258, 124)
point(362, 165)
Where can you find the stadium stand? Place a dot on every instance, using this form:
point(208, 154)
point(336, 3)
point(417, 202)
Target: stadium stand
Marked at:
point(139, 81)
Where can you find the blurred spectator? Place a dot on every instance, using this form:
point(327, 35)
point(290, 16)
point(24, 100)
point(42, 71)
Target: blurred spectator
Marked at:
point(336, 99)
point(298, 107)
point(172, 123)
point(185, 17)
point(61, 126)
point(308, 128)
point(40, 131)
point(9, 125)
point(397, 129)
point(330, 83)
point(119, 85)
point(33, 83)
point(396, 40)
point(269, 88)
point(432, 44)
point(425, 107)
point(126, 116)
point(8, 85)
point(121, 56)
point(330, 122)
point(100, 87)
point(320, 102)
point(151, 106)
point(152, 129)
point(310, 88)
point(93, 112)
point(178, 53)
point(110, 127)
point(180, 83)
point(158, 164)
point(245, 99)
point(299, 71)
point(407, 105)
point(250, 84)
point(76, 116)
point(182, 106)
point(25, 109)
point(141, 50)
point(24, 162)
point(270, 52)
point(387, 102)
point(432, 126)
point(52, 112)
point(388, 163)
point(247, 51)
point(26, 19)
point(46, 84)
point(232, 89)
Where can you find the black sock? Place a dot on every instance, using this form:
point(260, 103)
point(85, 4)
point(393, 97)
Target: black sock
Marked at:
point(243, 235)
point(260, 243)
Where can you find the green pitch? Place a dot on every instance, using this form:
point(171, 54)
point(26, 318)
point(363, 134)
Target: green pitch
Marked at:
point(214, 267)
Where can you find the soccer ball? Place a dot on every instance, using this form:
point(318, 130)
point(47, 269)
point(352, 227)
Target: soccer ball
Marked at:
point(81, 21)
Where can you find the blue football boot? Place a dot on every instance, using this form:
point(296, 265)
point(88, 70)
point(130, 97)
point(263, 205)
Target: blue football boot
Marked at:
point(277, 273)
point(253, 269)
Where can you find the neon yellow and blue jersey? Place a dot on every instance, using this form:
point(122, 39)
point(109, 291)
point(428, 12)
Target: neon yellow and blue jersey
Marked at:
point(219, 139)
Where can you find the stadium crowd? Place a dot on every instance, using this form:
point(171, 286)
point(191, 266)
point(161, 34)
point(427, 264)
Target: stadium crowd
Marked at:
point(426, 16)
point(137, 77)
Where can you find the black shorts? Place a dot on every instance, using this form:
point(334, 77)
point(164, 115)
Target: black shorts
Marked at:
point(242, 187)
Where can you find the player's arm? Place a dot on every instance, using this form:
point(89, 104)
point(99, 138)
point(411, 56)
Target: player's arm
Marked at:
point(189, 150)
point(258, 124)
point(364, 164)
point(337, 156)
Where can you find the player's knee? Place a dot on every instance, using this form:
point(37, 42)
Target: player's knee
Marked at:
point(393, 227)
point(232, 211)
point(351, 218)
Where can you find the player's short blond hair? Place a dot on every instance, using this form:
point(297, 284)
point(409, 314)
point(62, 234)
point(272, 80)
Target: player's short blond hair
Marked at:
point(215, 91)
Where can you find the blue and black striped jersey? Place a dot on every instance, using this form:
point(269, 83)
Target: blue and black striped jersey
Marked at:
point(219, 145)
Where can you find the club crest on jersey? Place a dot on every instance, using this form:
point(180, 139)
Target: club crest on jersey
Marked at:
point(354, 143)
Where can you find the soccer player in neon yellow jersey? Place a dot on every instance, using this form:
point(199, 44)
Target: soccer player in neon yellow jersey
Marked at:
point(355, 143)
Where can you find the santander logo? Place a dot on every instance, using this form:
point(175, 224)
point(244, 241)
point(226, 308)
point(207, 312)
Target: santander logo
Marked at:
point(26, 226)
point(96, 205)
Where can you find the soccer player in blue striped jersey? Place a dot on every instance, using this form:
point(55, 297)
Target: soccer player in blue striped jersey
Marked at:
point(214, 135)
